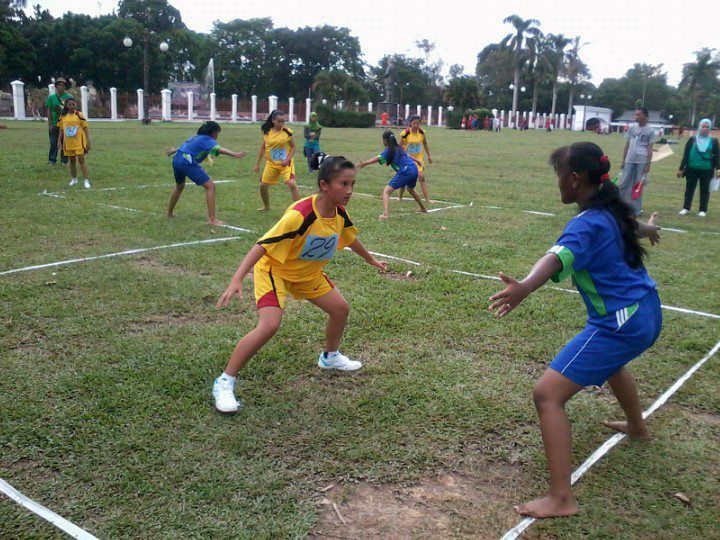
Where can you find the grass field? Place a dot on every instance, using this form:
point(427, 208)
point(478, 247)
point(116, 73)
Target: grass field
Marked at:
point(107, 365)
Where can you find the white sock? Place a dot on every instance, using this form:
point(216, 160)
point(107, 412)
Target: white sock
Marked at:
point(228, 378)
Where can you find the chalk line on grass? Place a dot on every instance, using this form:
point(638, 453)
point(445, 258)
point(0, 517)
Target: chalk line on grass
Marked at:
point(608, 445)
point(535, 212)
point(116, 254)
point(48, 515)
point(146, 186)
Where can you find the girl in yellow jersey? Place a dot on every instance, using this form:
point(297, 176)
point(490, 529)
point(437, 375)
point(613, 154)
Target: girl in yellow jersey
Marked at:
point(289, 258)
point(413, 141)
point(278, 147)
point(74, 139)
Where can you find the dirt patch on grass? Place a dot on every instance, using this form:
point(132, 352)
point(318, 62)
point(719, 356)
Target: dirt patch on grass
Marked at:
point(176, 320)
point(400, 276)
point(149, 263)
point(475, 505)
point(708, 418)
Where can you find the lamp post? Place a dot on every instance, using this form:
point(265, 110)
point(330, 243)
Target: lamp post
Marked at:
point(164, 47)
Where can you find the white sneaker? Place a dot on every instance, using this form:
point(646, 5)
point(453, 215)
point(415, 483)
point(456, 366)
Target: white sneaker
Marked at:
point(87, 184)
point(702, 214)
point(338, 361)
point(74, 182)
point(683, 212)
point(224, 394)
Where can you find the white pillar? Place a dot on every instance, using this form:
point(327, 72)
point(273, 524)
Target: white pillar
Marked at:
point(429, 118)
point(18, 89)
point(191, 112)
point(291, 110)
point(233, 114)
point(324, 101)
point(440, 111)
point(517, 119)
point(212, 106)
point(502, 118)
point(165, 108)
point(562, 121)
point(418, 110)
point(370, 106)
point(140, 110)
point(407, 111)
point(308, 107)
point(84, 102)
point(254, 108)
point(51, 89)
point(341, 105)
point(272, 103)
point(494, 112)
point(544, 120)
point(113, 103)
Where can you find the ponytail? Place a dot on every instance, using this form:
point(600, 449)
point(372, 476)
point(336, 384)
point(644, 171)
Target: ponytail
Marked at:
point(587, 157)
point(209, 128)
point(392, 145)
point(268, 124)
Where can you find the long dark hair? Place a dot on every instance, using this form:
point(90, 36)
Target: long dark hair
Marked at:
point(330, 167)
point(587, 157)
point(410, 120)
point(393, 145)
point(268, 123)
point(209, 128)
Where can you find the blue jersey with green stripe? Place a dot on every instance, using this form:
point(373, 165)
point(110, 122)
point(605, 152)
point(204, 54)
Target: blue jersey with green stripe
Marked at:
point(592, 251)
point(197, 148)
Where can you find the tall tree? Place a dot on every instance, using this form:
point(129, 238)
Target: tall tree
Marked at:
point(576, 71)
point(524, 29)
point(336, 85)
point(699, 77)
point(540, 62)
point(557, 44)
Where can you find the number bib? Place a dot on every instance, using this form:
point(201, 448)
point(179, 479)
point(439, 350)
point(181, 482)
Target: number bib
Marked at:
point(319, 248)
point(71, 131)
point(278, 154)
point(414, 148)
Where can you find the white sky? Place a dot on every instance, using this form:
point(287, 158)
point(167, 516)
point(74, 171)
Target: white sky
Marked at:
point(619, 32)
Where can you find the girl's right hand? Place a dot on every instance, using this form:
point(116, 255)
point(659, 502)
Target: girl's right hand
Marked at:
point(257, 168)
point(233, 289)
point(680, 173)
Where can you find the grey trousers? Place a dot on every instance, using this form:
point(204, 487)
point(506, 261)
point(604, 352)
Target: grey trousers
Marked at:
point(631, 175)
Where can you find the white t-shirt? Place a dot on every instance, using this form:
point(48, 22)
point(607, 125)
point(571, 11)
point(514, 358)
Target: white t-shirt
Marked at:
point(640, 139)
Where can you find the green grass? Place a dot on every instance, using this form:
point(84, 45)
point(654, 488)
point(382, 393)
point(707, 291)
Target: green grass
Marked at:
point(107, 365)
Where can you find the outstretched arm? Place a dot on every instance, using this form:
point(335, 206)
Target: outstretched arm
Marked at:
point(235, 287)
point(358, 248)
point(368, 162)
point(650, 230)
point(230, 153)
point(516, 291)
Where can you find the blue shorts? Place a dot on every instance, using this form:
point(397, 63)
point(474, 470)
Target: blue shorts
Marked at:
point(188, 169)
point(606, 344)
point(405, 178)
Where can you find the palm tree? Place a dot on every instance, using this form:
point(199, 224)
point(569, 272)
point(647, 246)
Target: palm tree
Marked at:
point(557, 44)
point(698, 77)
point(524, 30)
point(575, 70)
point(539, 49)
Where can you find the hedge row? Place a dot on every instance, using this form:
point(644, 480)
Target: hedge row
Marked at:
point(332, 118)
point(454, 118)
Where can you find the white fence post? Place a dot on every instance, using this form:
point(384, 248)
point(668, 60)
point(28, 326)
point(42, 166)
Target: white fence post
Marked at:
point(233, 114)
point(254, 108)
point(291, 110)
point(370, 106)
point(191, 113)
point(407, 111)
point(51, 89)
point(84, 102)
point(212, 106)
point(113, 103)
point(440, 111)
point(308, 107)
point(502, 118)
point(140, 110)
point(272, 103)
point(418, 110)
point(18, 90)
point(166, 110)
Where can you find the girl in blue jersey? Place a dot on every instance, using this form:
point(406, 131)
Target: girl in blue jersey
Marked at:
point(600, 249)
point(406, 171)
point(186, 164)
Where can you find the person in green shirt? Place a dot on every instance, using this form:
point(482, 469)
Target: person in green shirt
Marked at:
point(54, 105)
point(700, 162)
point(312, 139)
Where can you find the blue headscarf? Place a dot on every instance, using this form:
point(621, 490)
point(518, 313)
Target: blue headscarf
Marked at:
point(703, 141)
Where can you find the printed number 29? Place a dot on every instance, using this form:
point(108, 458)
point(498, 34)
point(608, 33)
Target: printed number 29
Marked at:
point(319, 248)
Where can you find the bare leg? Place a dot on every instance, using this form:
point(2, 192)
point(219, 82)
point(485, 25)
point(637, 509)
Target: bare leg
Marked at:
point(265, 196)
point(335, 305)
point(623, 386)
point(210, 199)
point(417, 199)
point(83, 167)
point(174, 196)
point(294, 192)
point(550, 395)
point(401, 193)
point(386, 202)
point(73, 167)
point(423, 187)
point(269, 319)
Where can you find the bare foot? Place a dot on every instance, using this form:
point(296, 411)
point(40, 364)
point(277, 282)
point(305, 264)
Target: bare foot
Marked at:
point(421, 211)
point(639, 433)
point(170, 215)
point(215, 222)
point(264, 209)
point(548, 507)
point(382, 217)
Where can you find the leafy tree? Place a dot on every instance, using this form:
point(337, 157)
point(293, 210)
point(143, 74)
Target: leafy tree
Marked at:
point(517, 41)
point(337, 85)
point(700, 78)
point(463, 93)
point(556, 59)
point(411, 78)
point(575, 70)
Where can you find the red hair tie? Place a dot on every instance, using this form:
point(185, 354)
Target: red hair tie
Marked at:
point(604, 159)
point(604, 178)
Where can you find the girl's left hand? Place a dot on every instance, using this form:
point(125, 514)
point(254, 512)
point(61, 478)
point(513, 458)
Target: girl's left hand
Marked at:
point(382, 266)
point(509, 298)
point(87, 148)
point(653, 230)
point(285, 162)
point(359, 165)
point(430, 160)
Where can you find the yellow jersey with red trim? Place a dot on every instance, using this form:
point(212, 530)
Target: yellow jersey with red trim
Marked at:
point(277, 145)
point(303, 242)
point(413, 142)
point(73, 126)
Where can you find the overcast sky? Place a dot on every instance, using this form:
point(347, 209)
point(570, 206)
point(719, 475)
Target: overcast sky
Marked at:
point(619, 32)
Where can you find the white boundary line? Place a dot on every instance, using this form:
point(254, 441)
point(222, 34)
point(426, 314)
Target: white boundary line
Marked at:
point(144, 186)
point(48, 515)
point(117, 254)
point(608, 445)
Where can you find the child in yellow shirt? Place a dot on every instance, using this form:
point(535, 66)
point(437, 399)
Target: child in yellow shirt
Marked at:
point(289, 258)
point(74, 139)
point(278, 147)
point(413, 140)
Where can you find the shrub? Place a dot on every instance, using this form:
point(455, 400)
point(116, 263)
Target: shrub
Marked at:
point(331, 118)
point(453, 119)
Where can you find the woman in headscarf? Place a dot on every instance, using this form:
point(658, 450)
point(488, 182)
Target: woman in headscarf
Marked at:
point(312, 139)
point(700, 160)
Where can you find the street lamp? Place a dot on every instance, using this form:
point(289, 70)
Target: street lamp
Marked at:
point(128, 42)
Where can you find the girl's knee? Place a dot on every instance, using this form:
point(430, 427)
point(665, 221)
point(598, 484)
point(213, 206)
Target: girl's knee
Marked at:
point(209, 185)
point(544, 397)
point(342, 310)
point(268, 327)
